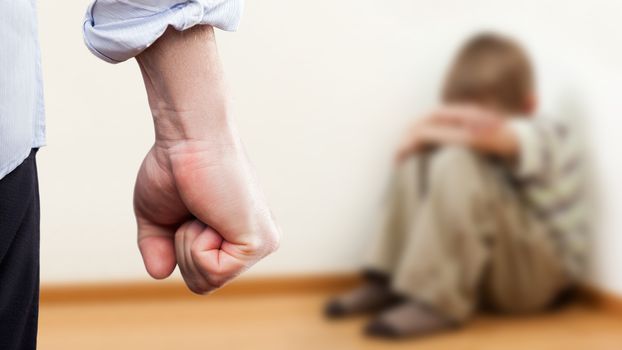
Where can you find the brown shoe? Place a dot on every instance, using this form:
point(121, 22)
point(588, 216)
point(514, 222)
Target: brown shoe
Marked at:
point(408, 319)
point(374, 295)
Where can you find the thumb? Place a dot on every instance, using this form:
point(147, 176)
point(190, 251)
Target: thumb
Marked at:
point(157, 247)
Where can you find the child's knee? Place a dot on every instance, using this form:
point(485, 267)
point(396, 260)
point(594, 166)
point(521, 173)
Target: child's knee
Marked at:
point(408, 168)
point(454, 163)
point(461, 180)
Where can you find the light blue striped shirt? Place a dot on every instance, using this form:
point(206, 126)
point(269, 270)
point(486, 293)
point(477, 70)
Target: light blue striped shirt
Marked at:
point(114, 30)
point(22, 117)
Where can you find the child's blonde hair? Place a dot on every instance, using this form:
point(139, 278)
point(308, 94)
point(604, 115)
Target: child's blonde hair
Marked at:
point(491, 69)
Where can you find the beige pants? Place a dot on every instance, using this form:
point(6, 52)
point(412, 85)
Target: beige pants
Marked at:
point(455, 233)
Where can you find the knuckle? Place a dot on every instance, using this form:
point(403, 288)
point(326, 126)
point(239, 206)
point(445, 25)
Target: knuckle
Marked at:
point(200, 287)
point(254, 245)
point(273, 238)
point(195, 252)
point(196, 288)
point(273, 242)
point(218, 281)
point(263, 244)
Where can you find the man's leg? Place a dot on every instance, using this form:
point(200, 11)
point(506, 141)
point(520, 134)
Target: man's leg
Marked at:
point(397, 216)
point(19, 257)
point(469, 220)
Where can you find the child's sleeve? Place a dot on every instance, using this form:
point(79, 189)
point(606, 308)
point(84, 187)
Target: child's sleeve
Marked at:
point(545, 148)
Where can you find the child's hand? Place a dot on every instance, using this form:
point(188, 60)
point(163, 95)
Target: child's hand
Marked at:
point(428, 132)
point(444, 125)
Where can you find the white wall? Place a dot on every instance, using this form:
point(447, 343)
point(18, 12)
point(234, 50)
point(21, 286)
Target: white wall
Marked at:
point(322, 90)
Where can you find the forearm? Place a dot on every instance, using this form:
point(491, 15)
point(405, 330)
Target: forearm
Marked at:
point(185, 86)
point(499, 140)
point(482, 129)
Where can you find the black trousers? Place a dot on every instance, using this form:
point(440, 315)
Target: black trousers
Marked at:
point(19, 257)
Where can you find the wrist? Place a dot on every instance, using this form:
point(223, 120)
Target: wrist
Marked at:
point(185, 87)
point(192, 124)
point(183, 109)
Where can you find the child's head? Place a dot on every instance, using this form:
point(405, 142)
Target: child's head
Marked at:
point(492, 71)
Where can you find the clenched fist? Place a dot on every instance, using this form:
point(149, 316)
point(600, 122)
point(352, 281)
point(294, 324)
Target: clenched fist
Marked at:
point(198, 205)
point(197, 202)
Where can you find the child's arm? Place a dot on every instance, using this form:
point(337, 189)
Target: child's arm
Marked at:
point(468, 126)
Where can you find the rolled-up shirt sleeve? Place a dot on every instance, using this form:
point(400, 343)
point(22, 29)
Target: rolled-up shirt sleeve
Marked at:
point(117, 30)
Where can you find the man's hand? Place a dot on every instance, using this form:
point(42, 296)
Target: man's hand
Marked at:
point(466, 125)
point(198, 204)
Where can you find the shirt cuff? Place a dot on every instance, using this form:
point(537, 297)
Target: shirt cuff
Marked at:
point(529, 159)
point(117, 30)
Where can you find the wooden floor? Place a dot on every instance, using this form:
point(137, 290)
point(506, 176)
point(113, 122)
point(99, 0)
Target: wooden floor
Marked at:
point(294, 322)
